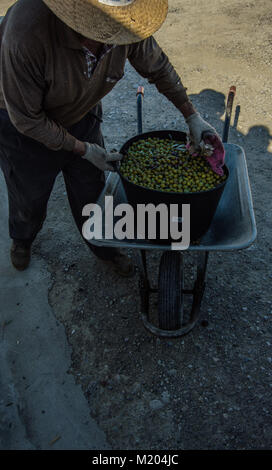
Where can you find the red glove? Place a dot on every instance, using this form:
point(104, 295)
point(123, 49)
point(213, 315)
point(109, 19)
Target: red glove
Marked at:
point(216, 160)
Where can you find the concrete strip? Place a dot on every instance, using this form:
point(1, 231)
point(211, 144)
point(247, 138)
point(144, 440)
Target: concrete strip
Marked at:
point(41, 407)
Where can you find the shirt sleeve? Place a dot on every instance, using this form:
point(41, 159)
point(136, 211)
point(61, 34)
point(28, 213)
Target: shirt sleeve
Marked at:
point(152, 63)
point(23, 88)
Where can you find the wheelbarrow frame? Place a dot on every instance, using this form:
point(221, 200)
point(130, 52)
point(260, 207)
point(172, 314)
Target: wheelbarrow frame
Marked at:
point(240, 234)
point(197, 292)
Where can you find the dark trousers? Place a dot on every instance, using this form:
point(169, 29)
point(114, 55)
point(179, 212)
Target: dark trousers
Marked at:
point(30, 170)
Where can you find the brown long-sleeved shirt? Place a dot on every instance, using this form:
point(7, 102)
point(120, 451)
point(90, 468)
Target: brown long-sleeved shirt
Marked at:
point(44, 81)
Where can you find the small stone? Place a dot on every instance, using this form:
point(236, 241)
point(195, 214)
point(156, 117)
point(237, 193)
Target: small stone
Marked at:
point(155, 405)
point(136, 387)
point(165, 397)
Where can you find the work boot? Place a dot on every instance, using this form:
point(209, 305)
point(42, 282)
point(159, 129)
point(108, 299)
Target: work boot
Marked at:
point(20, 255)
point(122, 264)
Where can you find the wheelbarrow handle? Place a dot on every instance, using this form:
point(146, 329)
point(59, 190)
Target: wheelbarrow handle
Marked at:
point(140, 97)
point(231, 95)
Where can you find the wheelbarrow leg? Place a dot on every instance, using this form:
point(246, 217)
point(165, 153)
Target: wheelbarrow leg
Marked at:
point(144, 284)
point(198, 290)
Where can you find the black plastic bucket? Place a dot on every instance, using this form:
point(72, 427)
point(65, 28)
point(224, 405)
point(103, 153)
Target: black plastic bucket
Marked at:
point(202, 204)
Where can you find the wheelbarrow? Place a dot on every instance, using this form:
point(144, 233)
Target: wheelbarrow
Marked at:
point(233, 227)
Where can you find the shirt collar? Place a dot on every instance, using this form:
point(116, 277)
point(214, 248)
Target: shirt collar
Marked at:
point(105, 49)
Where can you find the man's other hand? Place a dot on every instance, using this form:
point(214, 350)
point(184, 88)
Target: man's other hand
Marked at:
point(99, 157)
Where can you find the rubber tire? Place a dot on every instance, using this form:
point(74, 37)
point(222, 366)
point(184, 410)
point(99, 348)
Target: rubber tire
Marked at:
point(170, 296)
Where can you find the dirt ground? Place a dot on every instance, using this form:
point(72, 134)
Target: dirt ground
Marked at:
point(212, 388)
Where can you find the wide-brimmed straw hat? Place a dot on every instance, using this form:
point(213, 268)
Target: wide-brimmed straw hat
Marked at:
point(111, 21)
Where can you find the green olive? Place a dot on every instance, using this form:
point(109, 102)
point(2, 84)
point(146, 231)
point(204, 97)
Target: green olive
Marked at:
point(166, 165)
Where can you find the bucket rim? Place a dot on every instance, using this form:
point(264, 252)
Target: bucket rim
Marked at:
point(166, 192)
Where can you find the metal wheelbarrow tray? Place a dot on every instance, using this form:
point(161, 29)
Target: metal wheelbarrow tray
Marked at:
point(233, 227)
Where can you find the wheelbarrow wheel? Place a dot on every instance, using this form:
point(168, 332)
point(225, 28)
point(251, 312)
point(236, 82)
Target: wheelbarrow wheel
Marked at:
point(170, 296)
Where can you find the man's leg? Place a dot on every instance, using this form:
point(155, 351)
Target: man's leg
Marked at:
point(26, 214)
point(84, 183)
point(29, 183)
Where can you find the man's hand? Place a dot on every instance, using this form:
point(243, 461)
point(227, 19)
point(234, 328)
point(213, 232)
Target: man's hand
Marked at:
point(203, 133)
point(99, 157)
point(198, 127)
point(79, 147)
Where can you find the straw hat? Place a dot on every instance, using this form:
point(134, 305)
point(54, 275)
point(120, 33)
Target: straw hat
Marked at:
point(111, 21)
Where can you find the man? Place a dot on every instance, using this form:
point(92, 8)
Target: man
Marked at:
point(59, 58)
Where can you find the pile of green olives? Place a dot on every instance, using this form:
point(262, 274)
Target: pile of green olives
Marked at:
point(166, 165)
